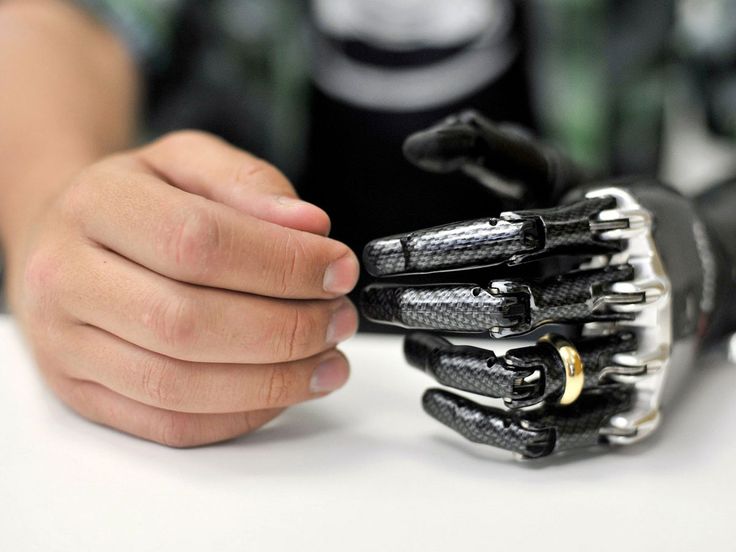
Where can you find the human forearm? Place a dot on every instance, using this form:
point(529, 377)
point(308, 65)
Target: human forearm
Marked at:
point(67, 97)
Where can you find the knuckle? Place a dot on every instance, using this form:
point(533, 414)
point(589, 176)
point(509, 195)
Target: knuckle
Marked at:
point(42, 278)
point(276, 388)
point(162, 384)
point(192, 239)
point(173, 321)
point(41, 271)
point(177, 430)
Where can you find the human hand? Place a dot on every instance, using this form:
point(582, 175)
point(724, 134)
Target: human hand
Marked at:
point(182, 293)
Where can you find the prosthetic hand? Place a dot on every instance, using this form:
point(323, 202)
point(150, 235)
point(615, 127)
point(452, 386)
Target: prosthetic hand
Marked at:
point(635, 276)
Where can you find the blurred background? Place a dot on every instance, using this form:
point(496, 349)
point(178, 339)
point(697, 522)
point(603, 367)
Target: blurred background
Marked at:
point(328, 89)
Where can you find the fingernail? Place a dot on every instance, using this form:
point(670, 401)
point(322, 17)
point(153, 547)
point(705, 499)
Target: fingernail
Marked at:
point(331, 374)
point(341, 275)
point(343, 325)
point(289, 201)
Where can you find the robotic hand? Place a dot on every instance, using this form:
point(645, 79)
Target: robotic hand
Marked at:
point(636, 275)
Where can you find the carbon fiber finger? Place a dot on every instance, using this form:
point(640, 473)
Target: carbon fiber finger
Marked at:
point(466, 368)
point(460, 245)
point(505, 307)
point(512, 238)
point(487, 425)
point(534, 433)
point(461, 308)
point(522, 377)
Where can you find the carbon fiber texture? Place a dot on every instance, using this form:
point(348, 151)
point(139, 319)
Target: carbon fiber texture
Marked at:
point(535, 433)
point(567, 228)
point(467, 368)
point(486, 425)
point(470, 143)
point(578, 425)
point(507, 308)
point(452, 308)
point(462, 244)
point(573, 297)
point(480, 371)
point(513, 238)
point(596, 354)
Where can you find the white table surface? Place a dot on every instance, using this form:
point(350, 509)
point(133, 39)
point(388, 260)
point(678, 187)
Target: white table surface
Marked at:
point(362, 470)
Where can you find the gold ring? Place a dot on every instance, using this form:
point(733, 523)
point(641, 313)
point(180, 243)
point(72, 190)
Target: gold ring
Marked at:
point(573, 367)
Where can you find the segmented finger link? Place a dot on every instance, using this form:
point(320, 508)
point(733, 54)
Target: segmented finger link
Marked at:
point(466, 368)
point(534, 433)
point(512, 238)
point(487, 425)
point(505, 308)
